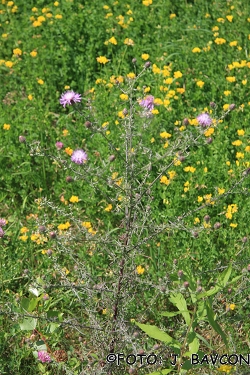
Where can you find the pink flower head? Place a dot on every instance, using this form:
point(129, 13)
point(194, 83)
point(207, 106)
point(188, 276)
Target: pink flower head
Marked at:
point(148, 102)
point(70, 97)
point(59, 145)
point(204, 120)
point(1, 232)
point(44, 357)
point(2, 222)
point(79, 156)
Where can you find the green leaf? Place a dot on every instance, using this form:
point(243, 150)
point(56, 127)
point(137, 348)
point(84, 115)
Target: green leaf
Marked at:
point(170, 314)
point(157, 334)
point(179, 301)
point(214, 324)
point(28, 324)
point(162, 372)
point(194, 344)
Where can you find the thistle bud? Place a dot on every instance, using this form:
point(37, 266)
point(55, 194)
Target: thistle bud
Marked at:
point(88, 124)
point(147, 64)
point(22, 139)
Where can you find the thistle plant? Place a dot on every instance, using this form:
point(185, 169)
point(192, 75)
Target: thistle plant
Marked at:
point(109, 260)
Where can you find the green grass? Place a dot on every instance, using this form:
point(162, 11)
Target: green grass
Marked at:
point(193, 48)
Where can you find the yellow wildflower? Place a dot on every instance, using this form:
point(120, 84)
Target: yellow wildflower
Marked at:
point(145, 56)
point(196, 50)
point(68, 151)
point(172, 15)
point(86, 224)
point(221, 191)
point(24, 230)
point(233, 43)
point(237, 143)
point(177, 74)
point(200, 199)
point(23, 238)
point(124, 97)
point(58, 16)
point(200, 84)
point(112, 40)
point(140, 270)
point(17, 51)
point(74, 199)
point(190, 169)
point(33, 53)
point(108, 208)
point(6, 126)
point(231, 79)
point(65, 132)
point(131, 75)
point(102, 60)
point(9, 64)
point(220, 41)
point(129, 42)
point(147, 2)
point(165, 135)
point(229, 18)
point(164, 180)
point(40, 81)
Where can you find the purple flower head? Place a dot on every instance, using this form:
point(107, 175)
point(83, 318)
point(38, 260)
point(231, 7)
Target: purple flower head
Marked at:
point(2, 222)
point(1, 232)
point(148, 102)
point(70, 97)
point(79, 156)
point(44, 357)
point(204, 120)
point(59, 145)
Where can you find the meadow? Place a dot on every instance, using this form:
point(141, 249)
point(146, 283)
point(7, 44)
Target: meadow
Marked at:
point(124, 187)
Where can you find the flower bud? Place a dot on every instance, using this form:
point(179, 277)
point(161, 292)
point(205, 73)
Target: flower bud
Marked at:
point(134, 60)
point(59, 145)
point(199, 289)
point(52, 234)
point(185, 121)
point(112, 158)
point(180, 273)
point(217, 225)
point(248, 268)
point(186, 284)
point(206, 218)
point(125, 111)
point(1, 232)
point(209, 140)
point(69, 179)
point(42, 229)
point(49, 252)
point(147, 64)
point(232, 107)
point(212, 104)
point(22, 139)
point(88, 124)
point(244, 239)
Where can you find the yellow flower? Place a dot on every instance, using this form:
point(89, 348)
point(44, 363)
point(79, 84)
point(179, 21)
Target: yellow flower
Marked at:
point(108, 208)
point(124, 97)
point(49, 15)
point(177, 74)
point(247, 149)
point(196, 50)
point(215, 28)
point(172, 15)
point(41, 19)
point(180, 90)
point(147, 2)
point(190, 169)
point(200, 84)
point(231, 79)
point(152, 140)
point(237, 143)
point(155, 111)
point(200, 199)
point(205, 169)
point(56, 3)
point(232, 306)
point(24, 230)
point(6, 127)
point(239, 155)
point(40, 81)
point(233, 43)
point(23, 238)
point(229, 18)
point(102, 60)
point(4, 35)
point(227, 92)
point(86, 224)
point(225, 368)
point(225, 107)
point(129, 42)
point(65, 132)
point(158, 101)
point(112, 40)
point(74, 199)
point(17, 51)
point(233, 226)
point(10, 3)
point(36, 23)
point(140, 270)
point(220, 20)
point(244, 81)
point(145, 56)
point(33, 53)
point(34, 9)
point(68, 151)
point(9, 64)
point(164, 180)
point(131, 75)
point(209, 132)
point(165, 135)
point(105, 124)
point(147, 89)
point(64, 226)
point(196, 220)
point(221, 191)
point(59, 16)
point(220, 41)
point(65, 270)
